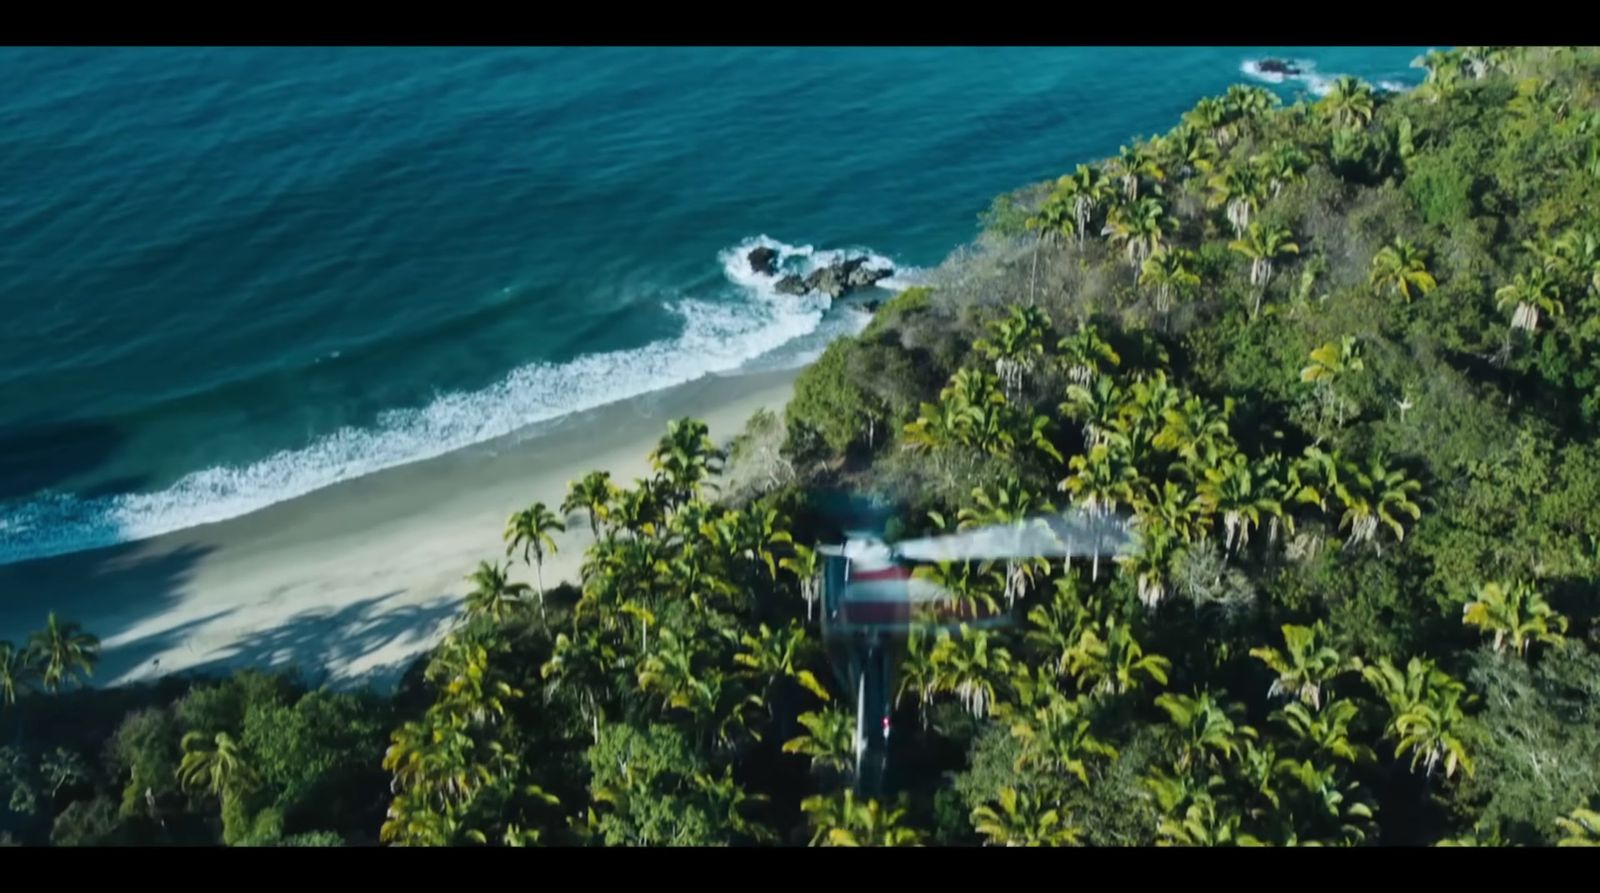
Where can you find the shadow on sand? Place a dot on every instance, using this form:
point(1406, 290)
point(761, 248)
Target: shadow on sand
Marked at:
point(322, 646)
point(115, 591)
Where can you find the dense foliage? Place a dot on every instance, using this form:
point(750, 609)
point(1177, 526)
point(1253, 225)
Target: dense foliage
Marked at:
point(1338, 363)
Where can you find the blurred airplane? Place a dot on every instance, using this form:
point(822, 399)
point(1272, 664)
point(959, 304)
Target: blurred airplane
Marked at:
point(873, 598)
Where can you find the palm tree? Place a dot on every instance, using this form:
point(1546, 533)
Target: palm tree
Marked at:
point(1197, 430)
point(1402, 267)
point(1024, 425)
point(1084, 190)
point(806, 565)
point(1241, 495)
point(1480, 61)
point(1189, 150)
point(1264, 246)
point(1425, 713)
point(1101, 480)
point(1238, 190)
point(218, 765)
point(775, 655)
point(969, 667)
point(1211, 115)
point(1133, 164)
point(938, 425)
point(1054, 219)
point(1086, 355)
point(1115, 663)
point(582, 663)
point(966, 414)
point(1582, 827)
point(842, 820)
point(1483, 834)
point(1305, 667)
point(1058, 626)
point(492, 594)
point(1163, 519)
point(1171, 271)
point(467, 682)
point(1350, 102)
point(1011, 506)
point(1532, 293)
point(1203, 823)
point(1516, 614)
point(1208, 730)
point(1139, 228)
point(639, 510)
point(1330, 363)
point(1022, 822)
point(829, 740)
point(1168, 508)
point(752, 533)
point(61, 651)
point(1326, 794)
point(530, 530)
point(1325, 732)
point(1283, 165)
point(686, 456)
point(1055, 216)
point(17, 672)
point(1096, 408)
point(1250, 101)
point(1444, 73)
point(1314, 477)
point(1375, 495)
point(1013, 344)
point(1056, 734)
point(593, 493)
point(919, 673)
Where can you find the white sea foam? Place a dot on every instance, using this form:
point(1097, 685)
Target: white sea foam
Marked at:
point(1316, 84)
point(716, 337)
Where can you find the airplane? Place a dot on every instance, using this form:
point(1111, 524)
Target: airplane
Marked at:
point(872, 600)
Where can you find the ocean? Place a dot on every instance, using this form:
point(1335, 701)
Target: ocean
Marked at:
point(232, 276)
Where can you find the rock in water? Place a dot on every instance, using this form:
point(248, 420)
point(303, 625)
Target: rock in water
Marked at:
point(830, 281)
point(1277, 66)
point(763, 260)
point(835, 280)
point(792, 285)
point(862, 277)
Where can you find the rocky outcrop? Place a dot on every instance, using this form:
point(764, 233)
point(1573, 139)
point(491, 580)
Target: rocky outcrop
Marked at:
point(763, 261)
point(827, 280)
point(791, 285)
point(1278, 66)
point(835, 280)
point(862, 277)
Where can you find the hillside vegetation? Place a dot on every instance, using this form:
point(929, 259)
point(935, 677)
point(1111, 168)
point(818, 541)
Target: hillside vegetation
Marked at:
point(1338, 361)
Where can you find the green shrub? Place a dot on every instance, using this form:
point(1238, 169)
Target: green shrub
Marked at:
point(144, 754)
point(87, 823)
point(830, 399)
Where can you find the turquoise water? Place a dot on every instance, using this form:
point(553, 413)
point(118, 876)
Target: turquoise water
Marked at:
point(232, 276)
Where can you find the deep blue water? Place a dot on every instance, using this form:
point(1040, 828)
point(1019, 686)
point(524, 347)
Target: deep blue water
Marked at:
point(232, 276)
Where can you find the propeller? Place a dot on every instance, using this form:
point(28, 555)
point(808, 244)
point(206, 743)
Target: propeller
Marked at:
point(1075, 533)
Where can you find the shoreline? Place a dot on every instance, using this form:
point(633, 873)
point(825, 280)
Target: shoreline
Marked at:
point(351, 582)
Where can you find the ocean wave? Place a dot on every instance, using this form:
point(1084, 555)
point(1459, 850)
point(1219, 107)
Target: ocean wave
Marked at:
point(803, 259)
point(1316, 83)
point(716, 337)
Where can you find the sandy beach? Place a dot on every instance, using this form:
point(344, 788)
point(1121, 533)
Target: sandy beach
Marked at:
point(351, 582)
